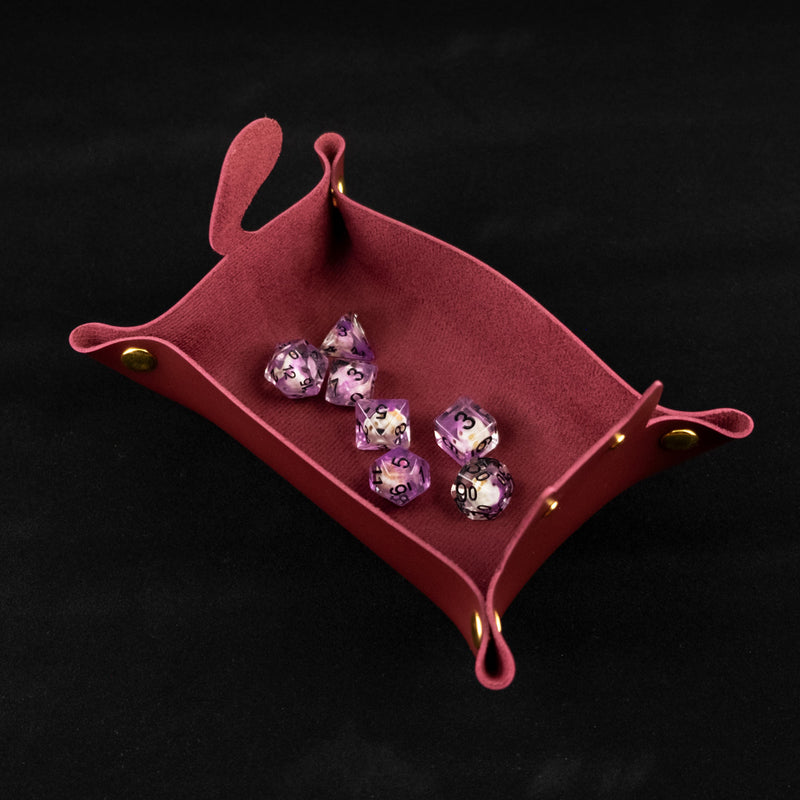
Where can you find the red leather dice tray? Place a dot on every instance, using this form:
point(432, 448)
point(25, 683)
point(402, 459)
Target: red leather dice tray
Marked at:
point(572, 432)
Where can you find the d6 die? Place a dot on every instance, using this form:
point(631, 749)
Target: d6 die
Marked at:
point(297, 368)
point(399, 475)
point(350, 381)
point(483, 488)
point(382, 423)
point(465, 430)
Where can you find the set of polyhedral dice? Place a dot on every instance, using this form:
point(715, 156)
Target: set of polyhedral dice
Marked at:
point(465, 431)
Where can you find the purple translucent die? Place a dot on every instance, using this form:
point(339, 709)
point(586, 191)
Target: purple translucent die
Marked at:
point(297, 368)
point(382, 423)
point(399, 475)
point(348, 340)
point(483, 488)
point(465, 430)
point(349, 381)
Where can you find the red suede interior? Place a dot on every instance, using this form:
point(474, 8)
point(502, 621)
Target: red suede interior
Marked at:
point(441, 326)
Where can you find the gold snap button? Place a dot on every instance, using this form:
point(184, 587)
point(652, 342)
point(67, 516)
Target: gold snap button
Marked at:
point(550, 506)
point(617, 439)
point(340, 189)
point(138, 359)
point(680, 439)
point(477, 629)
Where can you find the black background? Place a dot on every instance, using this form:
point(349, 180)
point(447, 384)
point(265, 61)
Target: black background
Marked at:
point(177, 621)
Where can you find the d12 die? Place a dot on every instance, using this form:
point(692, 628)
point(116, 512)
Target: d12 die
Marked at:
point(465, 430)
point(382, 423)
point(399, 475)
point(297, 368)
point(483, 488)
point(349, 381)
point(348, 340)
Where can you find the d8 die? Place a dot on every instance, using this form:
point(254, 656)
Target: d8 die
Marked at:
point(382, 423)
point(465, 430)
point(399, 475)
point(350, 381)
point(347, 340)
point(297, 368)
point(483, 488)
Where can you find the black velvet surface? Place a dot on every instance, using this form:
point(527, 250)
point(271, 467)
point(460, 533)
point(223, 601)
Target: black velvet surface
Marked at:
point(177, 621)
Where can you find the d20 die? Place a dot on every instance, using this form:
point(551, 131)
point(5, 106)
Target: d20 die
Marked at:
point(483, 488)
point(399, 475)
point(465, 430)
point(349, 381)
point(348, 340)
point(297, 368)
point(382, 423)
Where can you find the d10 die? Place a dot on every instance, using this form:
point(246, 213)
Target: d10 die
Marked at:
point(382, 423)
point(465, 430)
point(483, 488)
point(348, 340)
point(349, 381)
point(297, 368)
point(399, 475)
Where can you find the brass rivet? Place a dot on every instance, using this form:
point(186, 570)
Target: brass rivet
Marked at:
point(497, 622)
point(680, 439)
point(139, 359)
point(339, 188)
point(550, 506)
point(617, 440)
point(477, 629)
